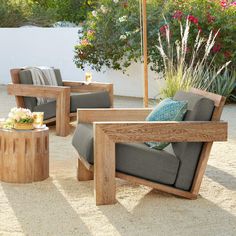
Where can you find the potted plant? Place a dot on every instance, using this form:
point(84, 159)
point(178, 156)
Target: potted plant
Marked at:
point(22, 119)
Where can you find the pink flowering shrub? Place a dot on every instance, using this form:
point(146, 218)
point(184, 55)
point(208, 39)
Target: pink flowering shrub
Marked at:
point(111, 34)
point(206, 16)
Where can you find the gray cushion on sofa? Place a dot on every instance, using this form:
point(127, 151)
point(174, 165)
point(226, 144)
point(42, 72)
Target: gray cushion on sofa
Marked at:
point(90, 100)
point(58, 77)
point(26, 78)
point(199, 109)
point(81, 100)
point(134, 159)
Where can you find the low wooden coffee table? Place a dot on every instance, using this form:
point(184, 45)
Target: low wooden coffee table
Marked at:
point(24, 155)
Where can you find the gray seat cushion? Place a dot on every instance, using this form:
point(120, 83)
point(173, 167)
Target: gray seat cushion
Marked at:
point(90, 100)
point(26, 78)
point(133, 159)
point(199, 109)
point(82, 100)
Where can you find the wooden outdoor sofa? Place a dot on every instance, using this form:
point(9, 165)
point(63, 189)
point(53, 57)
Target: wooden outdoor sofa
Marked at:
point(114, 147)
point(63, 109)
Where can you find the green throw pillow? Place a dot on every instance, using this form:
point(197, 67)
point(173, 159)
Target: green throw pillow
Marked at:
point(166, 110)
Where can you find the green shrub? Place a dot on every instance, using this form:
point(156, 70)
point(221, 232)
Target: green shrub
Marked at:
point(14, 13)
point(73, 10)
point(41, 16)
point(111, 36)
point(115, 42)
point(10, 15)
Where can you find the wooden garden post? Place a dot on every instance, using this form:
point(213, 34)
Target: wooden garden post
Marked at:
point(145, 52)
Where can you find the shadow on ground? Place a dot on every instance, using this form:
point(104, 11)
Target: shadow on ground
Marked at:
point(223, 178)
point(43, 210)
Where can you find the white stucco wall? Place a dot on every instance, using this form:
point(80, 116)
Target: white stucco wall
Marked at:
point(54, 47)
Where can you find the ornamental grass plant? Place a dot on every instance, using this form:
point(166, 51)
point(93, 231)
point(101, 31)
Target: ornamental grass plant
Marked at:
point(185, 67)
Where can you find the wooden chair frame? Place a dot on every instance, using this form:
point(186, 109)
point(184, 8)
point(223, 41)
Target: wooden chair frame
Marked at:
point(60, 93)
point(128, 125)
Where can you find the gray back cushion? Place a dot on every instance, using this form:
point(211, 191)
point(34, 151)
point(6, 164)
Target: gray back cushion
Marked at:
point(58, 77)
point(26, 78)
point(90, 100)
point(199, 109)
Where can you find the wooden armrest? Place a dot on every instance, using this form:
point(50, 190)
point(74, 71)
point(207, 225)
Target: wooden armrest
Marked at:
point(185, 131)
point(36, 90)
point(77, 86)
point(112, 114)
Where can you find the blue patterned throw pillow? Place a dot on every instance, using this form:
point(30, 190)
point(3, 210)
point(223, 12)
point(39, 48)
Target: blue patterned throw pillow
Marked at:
point(167, 110)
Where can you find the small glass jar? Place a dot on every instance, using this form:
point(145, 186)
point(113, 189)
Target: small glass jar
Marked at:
point(38, 119)
point(88, 77)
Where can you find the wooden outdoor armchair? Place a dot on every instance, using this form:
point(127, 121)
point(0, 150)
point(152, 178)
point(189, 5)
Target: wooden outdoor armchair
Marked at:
point(113, 128)
point(26, 93)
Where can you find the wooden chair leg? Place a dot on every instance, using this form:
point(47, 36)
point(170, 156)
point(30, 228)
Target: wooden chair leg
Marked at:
point(63, 113)
point(83, 174)
point(104, 169)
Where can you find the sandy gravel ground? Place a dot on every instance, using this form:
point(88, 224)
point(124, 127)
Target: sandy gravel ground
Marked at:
point(63, 206)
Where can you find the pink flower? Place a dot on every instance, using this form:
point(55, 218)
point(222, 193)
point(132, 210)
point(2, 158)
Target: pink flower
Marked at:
point(216, 48)
point(193, 19)
point(90, 33)
point(163, 29)
point(223, 3)
point(233, 4)
point(199, 28)
point(178, 15)
point(85, 42)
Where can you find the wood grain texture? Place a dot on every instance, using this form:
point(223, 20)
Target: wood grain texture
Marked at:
point(212, 96)
point(185, 131)
point(157, 186)
point(104, 167)
point(108, 133)
point(16, 80)
point(60, 93)
point(63, 112)
point(73, 117)
point(112, 114)
point(140, 181)
point(24, 155)
point(85, 163)
point(35, 90)
point(145, 53)
point(201, 167)
point(83, 174)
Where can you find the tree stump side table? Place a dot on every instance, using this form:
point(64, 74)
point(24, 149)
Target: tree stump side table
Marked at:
point(24, 155)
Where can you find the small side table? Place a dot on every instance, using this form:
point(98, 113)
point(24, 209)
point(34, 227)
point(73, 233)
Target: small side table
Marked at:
point(24, 155)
